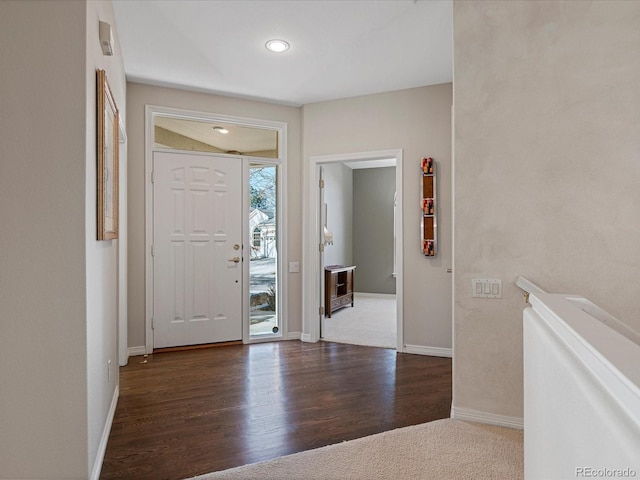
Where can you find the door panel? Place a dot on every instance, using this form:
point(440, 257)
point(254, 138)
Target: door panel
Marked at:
point(197, 219)
point(320, 229)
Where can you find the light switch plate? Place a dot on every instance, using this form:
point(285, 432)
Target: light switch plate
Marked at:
point(486, 288)
point(294, 267)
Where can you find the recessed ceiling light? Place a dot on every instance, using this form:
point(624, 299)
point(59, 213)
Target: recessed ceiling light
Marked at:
point(220, 130)
point(277, 46)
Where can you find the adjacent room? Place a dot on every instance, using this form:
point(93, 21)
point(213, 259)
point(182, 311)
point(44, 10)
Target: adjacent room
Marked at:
point(358, 221)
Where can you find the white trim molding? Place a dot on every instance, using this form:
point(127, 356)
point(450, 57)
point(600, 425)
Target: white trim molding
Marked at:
point(305, 337)
point(471, 415)
point(136, 351)
point(102, 447)
point(430, 351)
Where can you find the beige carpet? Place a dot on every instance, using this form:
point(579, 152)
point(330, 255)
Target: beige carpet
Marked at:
point(441, 450)
point(371, 322)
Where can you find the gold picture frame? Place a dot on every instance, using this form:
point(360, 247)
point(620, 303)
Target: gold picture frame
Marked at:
point(108, 128)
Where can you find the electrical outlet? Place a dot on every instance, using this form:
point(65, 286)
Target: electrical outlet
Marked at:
point(486, 288)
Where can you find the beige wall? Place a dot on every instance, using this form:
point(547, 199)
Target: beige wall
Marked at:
point(418, 121)
point(373, 229)
point(57, 284)
point(140, 95)
point(357, 124)
point(105, 260)
point(43, 425)
point(547, 170)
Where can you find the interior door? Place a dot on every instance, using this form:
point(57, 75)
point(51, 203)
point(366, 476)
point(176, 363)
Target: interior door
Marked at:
point(323, 221)
point(197, 253)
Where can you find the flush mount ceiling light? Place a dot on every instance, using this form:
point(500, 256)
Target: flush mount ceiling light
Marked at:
point(277, 46)
point(220, 130)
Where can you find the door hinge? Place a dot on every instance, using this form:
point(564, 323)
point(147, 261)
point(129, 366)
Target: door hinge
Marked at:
point(321, 247)
point(153, 176)
point(153, 250)
point(321, 310)
point(153, 324)
point(321, 183)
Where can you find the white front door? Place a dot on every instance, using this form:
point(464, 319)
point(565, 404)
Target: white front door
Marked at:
point(197, 253)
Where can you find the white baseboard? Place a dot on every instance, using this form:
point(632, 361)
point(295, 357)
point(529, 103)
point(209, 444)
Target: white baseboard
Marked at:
point(305, 337)
point(102, 447)
point(141, 350)
point(135, 351)
point(430, 351)
point(472, 415)
point(376, 295)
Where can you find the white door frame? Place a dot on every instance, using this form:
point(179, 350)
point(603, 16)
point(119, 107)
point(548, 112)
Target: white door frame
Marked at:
point(281, 161)
point(311, 240)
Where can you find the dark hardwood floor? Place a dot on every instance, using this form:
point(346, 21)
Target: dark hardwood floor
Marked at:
point(188, 413)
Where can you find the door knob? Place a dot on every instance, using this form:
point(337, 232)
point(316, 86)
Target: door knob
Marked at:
point(234, 259)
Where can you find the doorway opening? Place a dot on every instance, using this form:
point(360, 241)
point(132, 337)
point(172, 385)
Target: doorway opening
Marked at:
point(259, 147)
point(314, 287)
point(359, 209)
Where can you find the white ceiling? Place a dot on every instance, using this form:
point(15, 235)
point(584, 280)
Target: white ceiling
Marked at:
point(339, 48)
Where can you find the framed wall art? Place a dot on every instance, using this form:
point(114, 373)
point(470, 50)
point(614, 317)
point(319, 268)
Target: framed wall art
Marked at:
point(108, 125)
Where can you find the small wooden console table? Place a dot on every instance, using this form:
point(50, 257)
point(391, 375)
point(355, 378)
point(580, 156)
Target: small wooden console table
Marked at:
point(338, 287)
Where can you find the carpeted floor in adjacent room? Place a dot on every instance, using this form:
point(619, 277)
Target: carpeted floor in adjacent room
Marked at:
point(371, 322)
